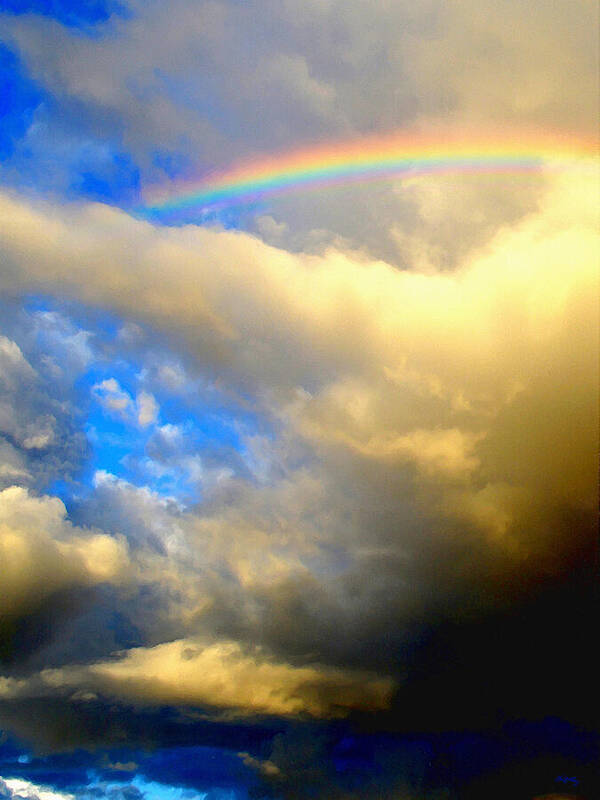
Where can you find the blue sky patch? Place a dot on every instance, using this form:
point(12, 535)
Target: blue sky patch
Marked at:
point(74, 13)
point(19, 98)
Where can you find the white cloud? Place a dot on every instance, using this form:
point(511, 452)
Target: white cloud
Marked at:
point(143, 410)
point(22, 788)
point(112, 396)
point(147, 408)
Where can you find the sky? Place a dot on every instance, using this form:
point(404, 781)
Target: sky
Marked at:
point(298, 479)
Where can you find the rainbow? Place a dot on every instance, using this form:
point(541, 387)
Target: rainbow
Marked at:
point(375, 158)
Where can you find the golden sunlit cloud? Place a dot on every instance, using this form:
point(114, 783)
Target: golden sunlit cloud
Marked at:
point(214, 676)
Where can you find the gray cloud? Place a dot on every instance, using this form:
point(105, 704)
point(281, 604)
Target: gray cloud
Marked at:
point(353, 66)
point(39, 439)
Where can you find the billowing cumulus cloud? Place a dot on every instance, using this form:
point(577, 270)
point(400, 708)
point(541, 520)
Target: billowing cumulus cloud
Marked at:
point(450, 385)
point(43, 553)
point(442, 372)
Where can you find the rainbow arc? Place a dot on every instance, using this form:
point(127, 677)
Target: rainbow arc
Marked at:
point(371, 159)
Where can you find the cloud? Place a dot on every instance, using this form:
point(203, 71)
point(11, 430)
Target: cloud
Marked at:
point(110, 394)
point(13, 362)
point(219, 675)
point(413, 413)
point(267, 768)
point(17, 373)
point(447, 371)
point(344, 473)
point(38, 415)
point(326, 68)
point(147, 409)
point(43, 553)
point(484, 67)
point(18, 787)
point(143, 411)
